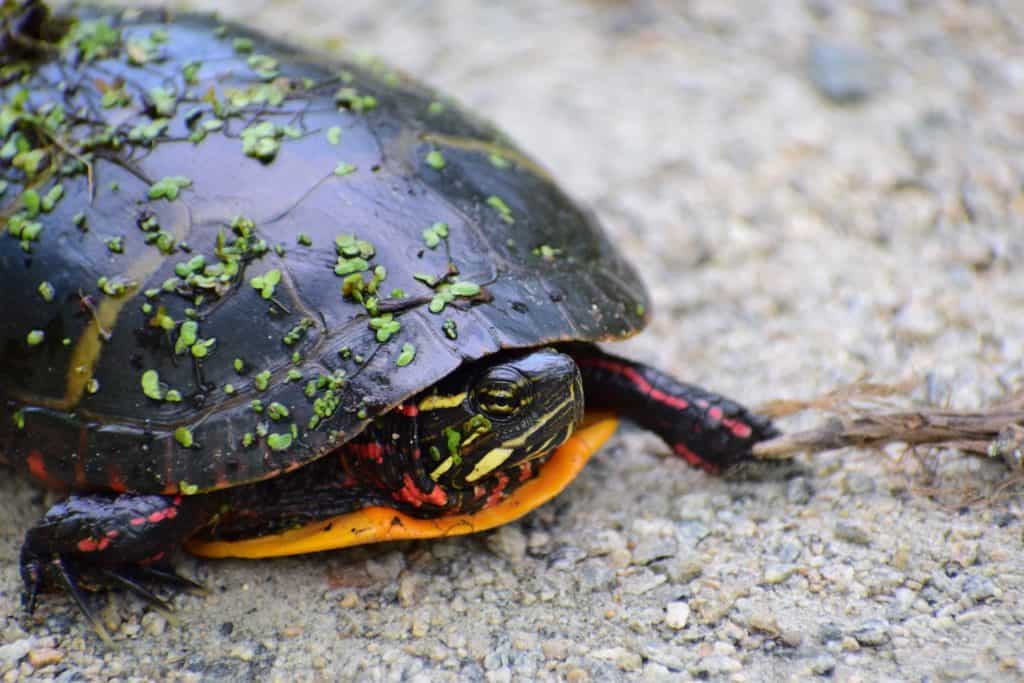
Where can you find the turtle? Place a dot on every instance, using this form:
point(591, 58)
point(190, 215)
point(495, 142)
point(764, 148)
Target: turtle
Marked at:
point(263, 301)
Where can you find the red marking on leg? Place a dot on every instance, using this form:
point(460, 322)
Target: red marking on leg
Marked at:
point(525, 471)
point(161, 515)
point(415, 496)
point(153, 558)
point(113, 533)
point(693, 458)
point(638, 380)
point(715, 413)
point(409, 409)
point(739, 429)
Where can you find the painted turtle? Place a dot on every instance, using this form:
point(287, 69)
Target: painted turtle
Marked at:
point(261, 303)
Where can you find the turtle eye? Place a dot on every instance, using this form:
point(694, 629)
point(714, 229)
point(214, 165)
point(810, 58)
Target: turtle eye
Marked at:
point(502, 392)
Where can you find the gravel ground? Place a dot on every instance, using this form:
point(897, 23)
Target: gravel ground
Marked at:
point(817, 193)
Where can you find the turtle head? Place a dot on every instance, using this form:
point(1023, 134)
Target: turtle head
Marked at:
point(499, 413)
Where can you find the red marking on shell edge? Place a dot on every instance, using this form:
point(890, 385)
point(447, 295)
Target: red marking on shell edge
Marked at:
point(715, 413)
point(37, 466)
point(138, 521)
point(114, 479)
point(90, 545)
point(641, 383)
point(416, 497)
point(409, 410)
point(497, 492)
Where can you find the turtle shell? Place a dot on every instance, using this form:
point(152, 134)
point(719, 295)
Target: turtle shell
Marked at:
point(223, 256)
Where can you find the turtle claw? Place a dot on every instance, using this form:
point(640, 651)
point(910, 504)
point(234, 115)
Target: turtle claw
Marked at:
point(67, 579)
point(171, 577)
point(61, 573)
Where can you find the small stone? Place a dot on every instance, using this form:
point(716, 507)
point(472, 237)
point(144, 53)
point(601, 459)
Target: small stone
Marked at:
point(842, 73)
point(502, 675)
point(677, 614)
point(651, 548)
point(349, 600)
point(577, 676)
point(44, 656)
point(154, 624)
point(858, 483)
point(872, 632)
point(557, 648)
point(765, 622)
point(641, 582)
point(604, 542)
point(12, 653)
point(595, 575)
point(799, 491)
point(978, 588)
point(620, 558)
point(243, 652)
point(851, 533)
point(822, 665)
point(407, 589)
point(509, 543)
point(778, 573)
point(684, 569)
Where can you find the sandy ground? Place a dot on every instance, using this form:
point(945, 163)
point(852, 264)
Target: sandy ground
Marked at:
point(791, 244)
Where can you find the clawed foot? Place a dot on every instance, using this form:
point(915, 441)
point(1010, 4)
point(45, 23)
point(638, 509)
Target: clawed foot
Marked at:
point(60, 573)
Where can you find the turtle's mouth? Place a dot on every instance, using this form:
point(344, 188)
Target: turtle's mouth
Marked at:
point(378, 524)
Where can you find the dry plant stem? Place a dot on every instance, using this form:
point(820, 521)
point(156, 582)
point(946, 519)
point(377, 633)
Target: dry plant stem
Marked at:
point(971, 432)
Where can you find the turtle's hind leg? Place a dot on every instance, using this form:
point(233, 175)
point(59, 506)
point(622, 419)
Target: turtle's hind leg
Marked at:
point(97, 541)
point(708, 430)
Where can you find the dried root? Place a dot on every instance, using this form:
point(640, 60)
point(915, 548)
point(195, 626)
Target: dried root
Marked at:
point(997, 432)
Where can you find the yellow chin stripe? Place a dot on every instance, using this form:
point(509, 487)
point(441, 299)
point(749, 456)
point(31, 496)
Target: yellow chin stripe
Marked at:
point(435, 402)
point(377, 524)
point(489, 462)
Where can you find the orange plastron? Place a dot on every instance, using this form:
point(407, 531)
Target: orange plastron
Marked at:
point(377, 524)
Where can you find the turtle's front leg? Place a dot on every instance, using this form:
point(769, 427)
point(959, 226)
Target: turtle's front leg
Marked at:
point(92, 541)
point(707, 429)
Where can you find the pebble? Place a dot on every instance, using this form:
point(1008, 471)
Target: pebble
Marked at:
point(651, 548)
point(799, 491)
point(677, 615)
point(556, 648)
point(154, 624)
point(44, 656)
point(641, 581)
point(12, 653)
point(508, 542)
point(978, 588)
point(821, 665)
point(858, 483)
point(777, 573)
point(842, 73)
point(852, 533)
point(872, 632)
point(604, 542)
